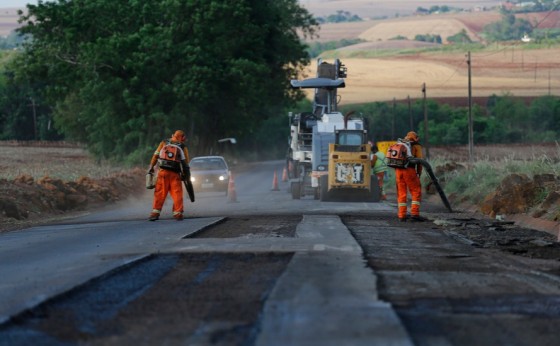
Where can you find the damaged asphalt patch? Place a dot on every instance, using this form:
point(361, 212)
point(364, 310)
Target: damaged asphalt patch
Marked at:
point(188, 299)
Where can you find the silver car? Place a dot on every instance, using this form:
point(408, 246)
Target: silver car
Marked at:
point(209, 173)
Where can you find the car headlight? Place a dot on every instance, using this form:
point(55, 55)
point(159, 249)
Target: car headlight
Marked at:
point(222, 178)
point(192, 179)
point(321, 168)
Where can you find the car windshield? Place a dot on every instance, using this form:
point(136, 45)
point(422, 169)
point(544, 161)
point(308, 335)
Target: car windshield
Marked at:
point(207, 164)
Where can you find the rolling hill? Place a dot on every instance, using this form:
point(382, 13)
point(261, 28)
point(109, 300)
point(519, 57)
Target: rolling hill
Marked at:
point(390, 8)
point(510, 68)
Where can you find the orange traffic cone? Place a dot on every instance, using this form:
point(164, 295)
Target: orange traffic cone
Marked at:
point(275, 182)
point(232, 195)
point(285, 174)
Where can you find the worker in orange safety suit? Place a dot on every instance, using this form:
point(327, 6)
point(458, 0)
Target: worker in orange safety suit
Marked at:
point(408, 179)
point(172, 157)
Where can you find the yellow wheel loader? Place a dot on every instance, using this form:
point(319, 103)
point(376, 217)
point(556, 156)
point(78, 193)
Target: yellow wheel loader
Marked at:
point(349, 175)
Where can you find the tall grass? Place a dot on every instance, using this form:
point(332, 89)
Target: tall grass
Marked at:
point(472, 185)
point(475, 183)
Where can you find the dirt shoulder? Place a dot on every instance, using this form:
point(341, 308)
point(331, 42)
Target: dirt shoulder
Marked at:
point(25, 201)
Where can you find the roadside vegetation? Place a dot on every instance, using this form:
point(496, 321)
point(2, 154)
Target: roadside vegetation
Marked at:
point(475, 183)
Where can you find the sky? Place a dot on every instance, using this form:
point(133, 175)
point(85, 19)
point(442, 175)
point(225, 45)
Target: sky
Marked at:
point(16, 3)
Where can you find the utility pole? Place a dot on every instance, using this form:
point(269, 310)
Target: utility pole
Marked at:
point(426, 139)
point(33, 107)
point(549, 81)
point(410, 114)
point(536, 68)
point(471, 132)
point(393, 122)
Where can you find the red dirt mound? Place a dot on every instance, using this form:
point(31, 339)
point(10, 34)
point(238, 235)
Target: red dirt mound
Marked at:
point(25, 200)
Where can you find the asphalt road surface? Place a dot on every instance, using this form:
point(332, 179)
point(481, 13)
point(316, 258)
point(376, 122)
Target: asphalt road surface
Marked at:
point(268, 270)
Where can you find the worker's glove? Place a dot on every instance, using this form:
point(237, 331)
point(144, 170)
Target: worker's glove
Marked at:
point(151, 170)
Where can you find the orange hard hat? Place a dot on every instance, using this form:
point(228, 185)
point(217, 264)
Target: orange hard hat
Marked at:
point(412, 136)
point(179, 136)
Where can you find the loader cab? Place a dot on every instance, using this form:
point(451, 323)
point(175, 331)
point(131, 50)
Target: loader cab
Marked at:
point(350, 140)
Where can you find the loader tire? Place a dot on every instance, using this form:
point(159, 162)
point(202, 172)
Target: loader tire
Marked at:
point(374, 190)
point(296, 190)
point(324, 188)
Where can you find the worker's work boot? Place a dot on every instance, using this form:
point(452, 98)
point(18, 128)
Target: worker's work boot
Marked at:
point(418, 218)
point(153, 217)
point(178, 217)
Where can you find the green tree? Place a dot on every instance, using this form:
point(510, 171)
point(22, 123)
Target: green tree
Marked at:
point(23, 113)
point(544, 117)
point(511, 112)
point(509, 28)
point(215, 68)
point(428, 38)
point(342, 16)
point(460, 37)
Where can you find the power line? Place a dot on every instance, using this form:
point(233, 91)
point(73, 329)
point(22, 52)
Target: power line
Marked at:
point(548, 14)
point(453, 74)
point(497, 52)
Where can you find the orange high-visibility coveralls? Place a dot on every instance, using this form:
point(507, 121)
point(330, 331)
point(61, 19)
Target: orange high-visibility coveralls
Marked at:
point(408, 179)
point(168, 181)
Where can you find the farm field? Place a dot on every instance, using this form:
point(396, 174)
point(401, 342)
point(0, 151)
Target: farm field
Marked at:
point(59, 160)
point(381, 69)
point(498, 71)
point(377, 8)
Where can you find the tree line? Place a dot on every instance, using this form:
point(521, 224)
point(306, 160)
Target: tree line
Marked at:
point(339, 17)
point(121, 76)
point(503, 119)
